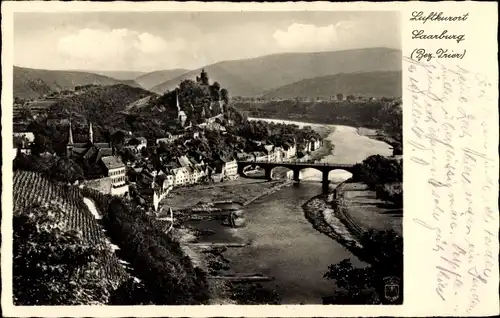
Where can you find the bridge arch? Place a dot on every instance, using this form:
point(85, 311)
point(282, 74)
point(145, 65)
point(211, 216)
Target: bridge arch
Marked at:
point(338, 175)
point(310, 174)
point(281, 172)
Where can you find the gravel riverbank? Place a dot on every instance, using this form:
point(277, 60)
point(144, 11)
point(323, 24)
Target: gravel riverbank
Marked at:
point(319, 211)
point(210, 258)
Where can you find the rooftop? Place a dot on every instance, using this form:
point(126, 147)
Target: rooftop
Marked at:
point(112, 162)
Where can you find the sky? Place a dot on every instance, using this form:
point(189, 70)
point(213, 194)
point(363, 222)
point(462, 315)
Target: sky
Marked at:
point(148, 41)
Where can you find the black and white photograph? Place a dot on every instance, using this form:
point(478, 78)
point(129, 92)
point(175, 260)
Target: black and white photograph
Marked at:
point(207, 158)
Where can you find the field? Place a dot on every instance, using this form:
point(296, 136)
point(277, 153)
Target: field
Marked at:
point(369, 212)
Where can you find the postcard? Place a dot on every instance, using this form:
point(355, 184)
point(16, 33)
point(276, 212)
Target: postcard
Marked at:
point(195, 159)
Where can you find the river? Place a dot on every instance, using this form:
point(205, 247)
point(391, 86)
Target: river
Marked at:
point(284, 244)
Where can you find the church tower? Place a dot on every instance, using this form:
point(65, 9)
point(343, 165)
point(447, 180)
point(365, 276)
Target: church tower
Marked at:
point(177, 101)
point(69, 146)
point(91, 134)
point(70, 140)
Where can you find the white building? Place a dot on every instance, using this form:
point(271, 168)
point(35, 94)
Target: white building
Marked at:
point(290, 150)
point(230, 169)
point(181, 176)
point(116, 171)
point(28, 136)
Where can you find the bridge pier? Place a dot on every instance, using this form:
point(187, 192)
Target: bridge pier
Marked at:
point(325, 182)
point(296, 175)
point(325, 178)
point(268, 174)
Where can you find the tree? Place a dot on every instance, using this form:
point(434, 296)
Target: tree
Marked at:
point(224, 94)
point(118, 137)
point(215, 91)
point(52, 264)
point(41, 144)
point(384, 251)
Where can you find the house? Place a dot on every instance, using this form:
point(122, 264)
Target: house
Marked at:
point(318, 143)
point(22, 143)
point(196, 174)
point(242, 156)
point(231, 168)
point(290, 150)
point(169, 139)
point(27, 137)
point(117, 173)
point(136, 144)
point(260, 156)
point(184, 161)
point(279, 154)
point(147, 176)
point(181, 176)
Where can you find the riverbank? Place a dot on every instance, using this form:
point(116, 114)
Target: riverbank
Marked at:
point(334, 215)
point(240, 191)
point(209, 257)
point(210, 260)
point(320, 212)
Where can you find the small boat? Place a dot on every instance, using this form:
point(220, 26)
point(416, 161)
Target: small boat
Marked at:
point(235, 219)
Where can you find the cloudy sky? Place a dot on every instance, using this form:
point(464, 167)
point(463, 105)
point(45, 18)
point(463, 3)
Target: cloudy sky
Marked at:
point(150, 41)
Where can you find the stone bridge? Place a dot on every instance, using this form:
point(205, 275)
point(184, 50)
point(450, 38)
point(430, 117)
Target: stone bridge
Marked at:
point(296, 167)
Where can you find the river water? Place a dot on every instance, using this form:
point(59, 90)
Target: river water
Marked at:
point(284, 244)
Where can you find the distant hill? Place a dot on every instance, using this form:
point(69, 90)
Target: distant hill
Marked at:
point(120, 75)
point(252, 77)
point(366, 84)
point(33, 83)
point(149, 80)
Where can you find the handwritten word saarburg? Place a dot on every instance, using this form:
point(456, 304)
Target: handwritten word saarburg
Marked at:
point(421, 35)
point(435, 16)
point(422, 54)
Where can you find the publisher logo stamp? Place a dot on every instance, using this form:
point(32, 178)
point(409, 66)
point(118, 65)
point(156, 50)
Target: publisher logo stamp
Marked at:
point(391, 288)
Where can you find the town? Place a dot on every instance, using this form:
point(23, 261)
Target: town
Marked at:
point(137, 176)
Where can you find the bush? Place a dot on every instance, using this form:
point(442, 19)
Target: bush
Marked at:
point(168, 275)
point(384, 251)
point(54, 265)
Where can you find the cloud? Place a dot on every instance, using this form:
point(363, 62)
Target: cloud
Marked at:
point(115, 48)
point(309, 37)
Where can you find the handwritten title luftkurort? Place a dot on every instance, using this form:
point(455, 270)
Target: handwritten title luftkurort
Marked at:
point(459, 173)
point(422, 18)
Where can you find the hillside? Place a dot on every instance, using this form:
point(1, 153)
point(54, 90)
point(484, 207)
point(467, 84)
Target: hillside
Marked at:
point(367, 84)
point(33, 83)
point(252, 77)
point(30, 188)
point(149, 80)
point(99, 104)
